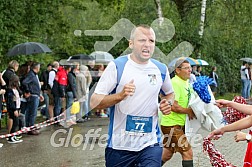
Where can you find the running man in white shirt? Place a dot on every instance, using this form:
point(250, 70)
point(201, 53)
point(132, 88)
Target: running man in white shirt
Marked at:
point(131, 85)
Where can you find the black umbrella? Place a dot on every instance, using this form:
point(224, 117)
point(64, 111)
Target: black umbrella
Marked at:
point(102, 57)
point(81, 58)
point(28, 48)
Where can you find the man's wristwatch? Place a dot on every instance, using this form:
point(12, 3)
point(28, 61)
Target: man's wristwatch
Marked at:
point(169, 102)
point(248, 137)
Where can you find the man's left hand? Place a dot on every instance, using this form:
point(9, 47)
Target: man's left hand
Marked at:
point(191, 114)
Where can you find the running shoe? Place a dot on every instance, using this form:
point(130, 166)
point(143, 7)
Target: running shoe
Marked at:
point(13, 140)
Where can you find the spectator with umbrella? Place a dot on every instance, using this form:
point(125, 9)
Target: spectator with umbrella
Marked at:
point(32, 89)
point(22, 72)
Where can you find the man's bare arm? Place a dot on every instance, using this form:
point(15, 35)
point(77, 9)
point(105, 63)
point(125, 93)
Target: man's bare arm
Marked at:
point(179, 109)
point(99, 101)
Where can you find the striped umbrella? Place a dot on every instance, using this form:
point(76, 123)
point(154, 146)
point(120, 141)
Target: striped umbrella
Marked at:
point(202, 62)
point(192, 61)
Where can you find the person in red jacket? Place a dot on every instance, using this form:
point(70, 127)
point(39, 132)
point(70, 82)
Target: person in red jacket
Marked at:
point(62, 81)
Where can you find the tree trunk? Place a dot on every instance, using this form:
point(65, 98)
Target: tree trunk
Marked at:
point(159, 11)
point(202, 18)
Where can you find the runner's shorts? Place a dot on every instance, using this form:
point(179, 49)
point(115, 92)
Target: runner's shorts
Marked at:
point(174, 138)
point(148, 157)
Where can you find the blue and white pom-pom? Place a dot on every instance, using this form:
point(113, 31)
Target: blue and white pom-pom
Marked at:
point(200, 86)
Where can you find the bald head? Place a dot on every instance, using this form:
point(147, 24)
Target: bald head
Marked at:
point(55, 64)
point(140, 27)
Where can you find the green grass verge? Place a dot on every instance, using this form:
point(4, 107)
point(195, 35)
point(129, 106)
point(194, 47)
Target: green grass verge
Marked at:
point(227, 96)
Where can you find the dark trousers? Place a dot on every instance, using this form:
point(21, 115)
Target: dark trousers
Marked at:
point(148, 157)
point(31, 113)
point(57, 106)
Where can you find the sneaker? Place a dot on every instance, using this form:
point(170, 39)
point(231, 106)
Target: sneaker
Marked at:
point(19, 136)
point(86, 118)
point(19, 140)
point(81, 120)
point(13, 140)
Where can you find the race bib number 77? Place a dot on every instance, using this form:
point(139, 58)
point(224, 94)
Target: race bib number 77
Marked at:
point(138, 124)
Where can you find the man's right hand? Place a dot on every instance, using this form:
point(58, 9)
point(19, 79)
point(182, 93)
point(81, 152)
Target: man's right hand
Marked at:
point(128, 89)
point(165, 107)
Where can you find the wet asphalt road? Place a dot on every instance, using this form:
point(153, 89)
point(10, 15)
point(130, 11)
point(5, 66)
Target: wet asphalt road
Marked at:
point(57, 147)
point(70, 147)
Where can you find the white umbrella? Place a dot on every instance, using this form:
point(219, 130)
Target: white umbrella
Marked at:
point(246, 59)
point(202, 62)
point(102, 57)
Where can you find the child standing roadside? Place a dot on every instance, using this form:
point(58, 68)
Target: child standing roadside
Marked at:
point(13, 105)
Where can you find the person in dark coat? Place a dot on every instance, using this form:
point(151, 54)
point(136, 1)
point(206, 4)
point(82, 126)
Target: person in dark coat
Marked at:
point(13, 103)
point(32, 89)
point(44, 78)
point(70, 94)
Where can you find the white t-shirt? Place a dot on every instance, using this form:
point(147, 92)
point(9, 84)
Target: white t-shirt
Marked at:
point(244, 72)
point(126, 132)
point(17, 98)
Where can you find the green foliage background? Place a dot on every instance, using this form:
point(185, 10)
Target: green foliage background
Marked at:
point(227, 34)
